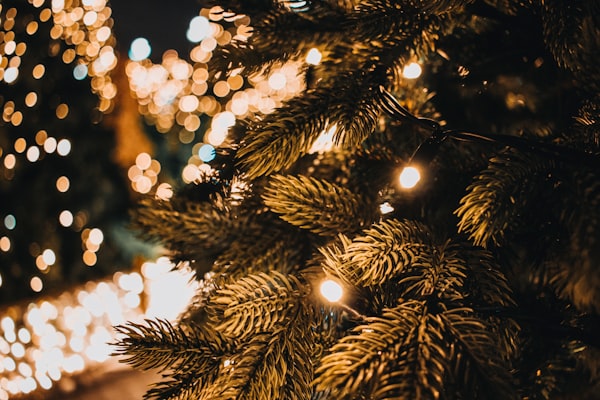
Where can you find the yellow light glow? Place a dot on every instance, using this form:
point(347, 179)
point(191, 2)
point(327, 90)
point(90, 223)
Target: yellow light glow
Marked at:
point(277, 81)
point(331, 290)
point(36, 284)
point(164, 191)
point(143, 161)
point(412, 71)
point(409, 177)
point(63, 184)
point(66, 218)
point(313, 57)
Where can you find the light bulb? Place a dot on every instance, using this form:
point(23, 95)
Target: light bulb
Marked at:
point(409, 177)
point(331, 290)
point(412, 71)
point(314, 56)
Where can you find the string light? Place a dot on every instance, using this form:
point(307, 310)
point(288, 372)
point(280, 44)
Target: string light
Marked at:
point(409, 177)
point(331, 290)
point(412, 70)
point(314, 56)
point(425, 153)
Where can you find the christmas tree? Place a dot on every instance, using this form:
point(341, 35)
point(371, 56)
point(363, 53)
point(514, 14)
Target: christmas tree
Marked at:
point(323, 276)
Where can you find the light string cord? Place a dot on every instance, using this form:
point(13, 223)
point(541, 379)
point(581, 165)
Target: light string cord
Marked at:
point(391, 105)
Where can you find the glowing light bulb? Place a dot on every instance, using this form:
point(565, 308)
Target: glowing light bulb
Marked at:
point(140, 49)
point(313, 57)
point(409, 177)
point(412, 70)
point(331, 290)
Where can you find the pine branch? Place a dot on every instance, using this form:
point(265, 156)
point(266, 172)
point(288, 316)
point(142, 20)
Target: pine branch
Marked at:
point(279, 33)
point(191, 230)
point(179, 386)
point(274, 365)
point(476, 358)
point(397, 355)
point(495, 199)
point(256, 303)
point(277, 141)
point(570, 31)
point(440, 6)
point(160, 345)
point(439, 272)
point(380, 254)
point(317, 205)
point(487, 284)
point(573, 273)
point(388, 30)
point(246, 255)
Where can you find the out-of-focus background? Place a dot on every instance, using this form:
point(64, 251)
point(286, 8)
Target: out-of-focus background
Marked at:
point(102, 103)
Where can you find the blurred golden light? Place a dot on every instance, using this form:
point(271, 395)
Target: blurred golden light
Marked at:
point(324, 141)
point(16, 118)
point(38, 71)
point(89, 258)
point(198, 29)
point(36, 284)
point(31, 99)
point(386, 208)
point(65, 218)
point(49, 256)
point(409, 177)
point(63, 147)
point(50, 145)
point(143, 161)
point(33, 153)
point(164, 191)
point(235, 82)
point(96, 236)
point(62, 110)
point(63, 184)
point(20, 145)
point(40, 137)
point(277, 81)
point(331, 290)
point(10, 161)
point(314, 56)
point(412, 70)
point(190, 173)
point(4, 243)
point(221, 88)
point(11, 74)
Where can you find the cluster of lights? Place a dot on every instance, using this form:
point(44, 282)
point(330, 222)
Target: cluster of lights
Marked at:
point(91, 239)
point(144, 173)
point(175, 94)
point(85, 27)
point(53, 338)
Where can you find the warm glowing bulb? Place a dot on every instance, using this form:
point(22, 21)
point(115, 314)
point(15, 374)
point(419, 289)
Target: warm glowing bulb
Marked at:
point(409, 177)
point(412, 71)
point(313, 57)
point(331, 290)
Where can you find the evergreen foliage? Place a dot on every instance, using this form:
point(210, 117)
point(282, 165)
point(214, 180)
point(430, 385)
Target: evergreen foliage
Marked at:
point(480, 283)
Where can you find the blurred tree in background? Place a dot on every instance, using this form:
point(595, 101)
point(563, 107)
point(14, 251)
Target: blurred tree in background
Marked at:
point(61, 191)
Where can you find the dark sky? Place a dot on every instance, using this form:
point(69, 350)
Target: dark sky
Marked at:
point(163, 22)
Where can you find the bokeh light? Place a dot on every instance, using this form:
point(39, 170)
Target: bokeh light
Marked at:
point(409, 177)
point(140, 49)
point(48, 339)
point(331, 290)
